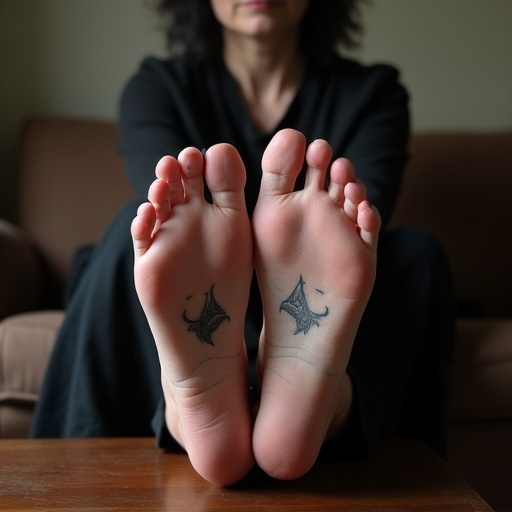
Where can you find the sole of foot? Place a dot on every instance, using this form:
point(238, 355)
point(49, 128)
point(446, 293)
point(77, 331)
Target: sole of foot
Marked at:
point(193, 267)
point(315, 261)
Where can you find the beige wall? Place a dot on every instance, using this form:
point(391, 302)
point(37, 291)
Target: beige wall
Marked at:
point(71, 57)
point(455, 56)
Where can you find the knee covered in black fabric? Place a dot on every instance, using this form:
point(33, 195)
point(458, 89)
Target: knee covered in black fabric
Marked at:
point(415, 245)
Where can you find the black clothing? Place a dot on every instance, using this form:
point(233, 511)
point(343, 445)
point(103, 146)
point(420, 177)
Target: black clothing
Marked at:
point(104, 375)
point(361, 111)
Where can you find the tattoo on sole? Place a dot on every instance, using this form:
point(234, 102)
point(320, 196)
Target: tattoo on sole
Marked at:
point(209, 320)
point(297, 307)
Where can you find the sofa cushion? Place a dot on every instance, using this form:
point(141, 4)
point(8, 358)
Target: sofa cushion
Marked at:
point(20, 273)
point(481, 386)
point(26, 342)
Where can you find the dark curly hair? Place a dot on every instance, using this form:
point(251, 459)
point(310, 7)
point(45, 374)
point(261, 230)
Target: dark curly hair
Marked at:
point(192, 29)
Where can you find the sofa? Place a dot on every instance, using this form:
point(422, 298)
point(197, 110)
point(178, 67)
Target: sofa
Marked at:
point(70, 183)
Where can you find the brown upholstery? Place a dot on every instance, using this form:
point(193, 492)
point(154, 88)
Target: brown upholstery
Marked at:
point(26, 342)
point(459, 186)
point(20, 274)
point(71, 183)
point(83, 184)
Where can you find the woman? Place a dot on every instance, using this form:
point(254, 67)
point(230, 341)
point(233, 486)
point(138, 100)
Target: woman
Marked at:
point(257, 82)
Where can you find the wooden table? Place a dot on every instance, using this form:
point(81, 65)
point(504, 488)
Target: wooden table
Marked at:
point(132, 474)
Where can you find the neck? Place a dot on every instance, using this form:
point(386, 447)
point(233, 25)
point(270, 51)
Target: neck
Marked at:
point(268, 74)
point(259, 65)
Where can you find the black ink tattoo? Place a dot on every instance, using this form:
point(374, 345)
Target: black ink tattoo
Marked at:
point(297, 306)
point(211, 317)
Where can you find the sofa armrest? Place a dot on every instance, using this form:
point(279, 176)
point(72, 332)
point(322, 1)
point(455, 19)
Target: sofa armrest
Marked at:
point(20, 273)
point(26, 342)
point(481, 387)
point(480, 425)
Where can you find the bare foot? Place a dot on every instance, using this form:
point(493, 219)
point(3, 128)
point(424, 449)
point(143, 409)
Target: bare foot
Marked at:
point(193, 267)
point(315, 261)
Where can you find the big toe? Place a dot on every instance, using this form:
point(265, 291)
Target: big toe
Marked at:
point(225, 176)
point(282, 162)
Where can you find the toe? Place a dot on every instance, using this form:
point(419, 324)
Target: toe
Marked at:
point(368, 221)
point(168, 169)
point(355, 193)
point(318, 157)
point(342, 172)
point(142, 228)
point(225, 176)
point(159, 196)
point(282, 162)
point(191, 165)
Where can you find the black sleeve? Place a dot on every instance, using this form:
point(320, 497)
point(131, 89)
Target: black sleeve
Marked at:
point(153, 121)
point(378, 140)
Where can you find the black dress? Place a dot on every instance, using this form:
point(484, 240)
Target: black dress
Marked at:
point(104, 375)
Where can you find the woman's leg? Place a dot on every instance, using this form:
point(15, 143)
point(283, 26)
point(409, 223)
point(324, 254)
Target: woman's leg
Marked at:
point(400, 360)
point(103, 377)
